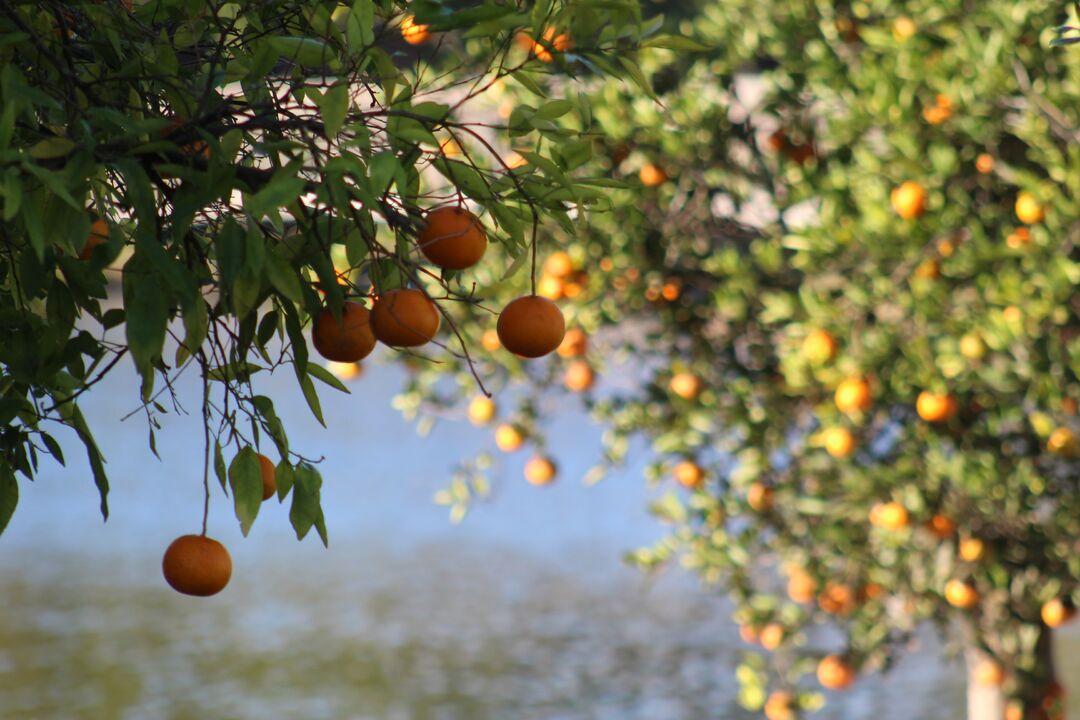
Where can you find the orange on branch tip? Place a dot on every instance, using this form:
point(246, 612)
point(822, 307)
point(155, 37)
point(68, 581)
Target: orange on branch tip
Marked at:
point(196, 565)
point(838, 442)
point(853, 395)
point(961, 595)
point(909, 200)
point(819, 347)
point(936, 407)
point(1028, 208)
point(345, 341)
point(579, 376)
point(531, 326)
point(540, 470)
point(405, 317)
point(481, 410)
point(689, 474)
point(889, 516)
point(452, 238)
point(268, 472)
point(835, 673)
point(508, 438)
point(413, 32)
point(686, 385)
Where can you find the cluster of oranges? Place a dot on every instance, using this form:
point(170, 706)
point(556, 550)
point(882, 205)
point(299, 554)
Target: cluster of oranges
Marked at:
point(543, 48)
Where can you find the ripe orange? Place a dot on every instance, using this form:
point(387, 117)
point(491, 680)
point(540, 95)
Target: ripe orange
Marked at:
point(935, 407)
point(99, 235)
point(652, 175)
point(903, 29)
point(961, 595)
point(452, 238)
point(942, 526)
point(404, 318)
point(195, 147)
point(686, 385)
point(940, 111)
point(559, 42)
point(508, 438)
point(490, 340)
point(559, 265)
point(760, 497)
point(551, 287)
point(197, 565)
point(1018, 238)
point(853, 395)
point(838, 442)
point(971, 549)
point(819, 347)
point(579, 376)
point(772, 635)
point(972, 347)
point(689, 474)
point(989, 673)
point(780, 706)
point(889, 516)
point(413, 32)
point(801, 587)
point(909, 200)
point(1062, 442)
point(540, 471)
point(1056, 613)
point(985, 163)
point(345, 371)
point(835, 673)
point(531, 326)
point(1028, 208)
point(837, 599)
point(268, 472)
point(750, 634)
point(346, 341)
point(574, 343)
point(481, 410)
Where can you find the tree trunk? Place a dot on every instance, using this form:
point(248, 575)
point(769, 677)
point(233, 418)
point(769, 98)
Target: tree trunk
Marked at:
point(1036, 694)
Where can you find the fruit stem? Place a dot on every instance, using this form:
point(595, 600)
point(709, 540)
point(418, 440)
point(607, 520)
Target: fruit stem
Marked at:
point(206, 442)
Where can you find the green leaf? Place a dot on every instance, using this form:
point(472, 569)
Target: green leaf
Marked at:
point(147, 313)
point(321, 373)
point(304, 51)
point(97, 463)
point(245, 479)
point(54, 147)
point(334, 106)
point(675, 42)
point(306, 508)
point(285, 478)
point(219, 466)
point(312, 397)
point(9, 494)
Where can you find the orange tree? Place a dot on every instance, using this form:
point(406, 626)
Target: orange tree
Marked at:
point(242, 169)
point(846, 271)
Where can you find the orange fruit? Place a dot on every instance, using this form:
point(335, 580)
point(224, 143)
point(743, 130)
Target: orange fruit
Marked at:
point(686, 385)
point(780, 706)
point(195, 147)
point(404, 318)
point(413, 32)
point(939, 112)
point(197, 565)
point(935, 407)
point(558, 42)
point(835, 673)
point(1062, 442)
point(508, 438)
point(889, 516)
point(777, 140)
point(909, 200)
point(801, 587)
point(689, 474)
point(452, 238)
point(1056, 613)
point(760, 497)
point(819, 347)
point(971, 549)
point(540, 471)
point(853, 395)
point(551, 287)
point(99, 235)
point(972, 347)
point(1069, 406)
point(1018, 238)
point(346, 370)
point(989, 673)
point(346, 341)
point(837, 599)
point(268, 471)
point(928, 270)
point(985, 163)
point(652, 175)
point(750, 634)
point(838, 442)
point(574, 344)
point(1028, 208)
point(481, 410)
point(531, 326)
point(961, 595)
point(903, 29)
point(772, 635)
point(579, 376)
point(942, 526)
point(559, 265)
point(490, 340)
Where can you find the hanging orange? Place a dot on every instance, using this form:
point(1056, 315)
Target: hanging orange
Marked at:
point(197, 565)
point(531, 326)
point(269, 481)
point(452, 238)
point(404, 318)
point(347, 341)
